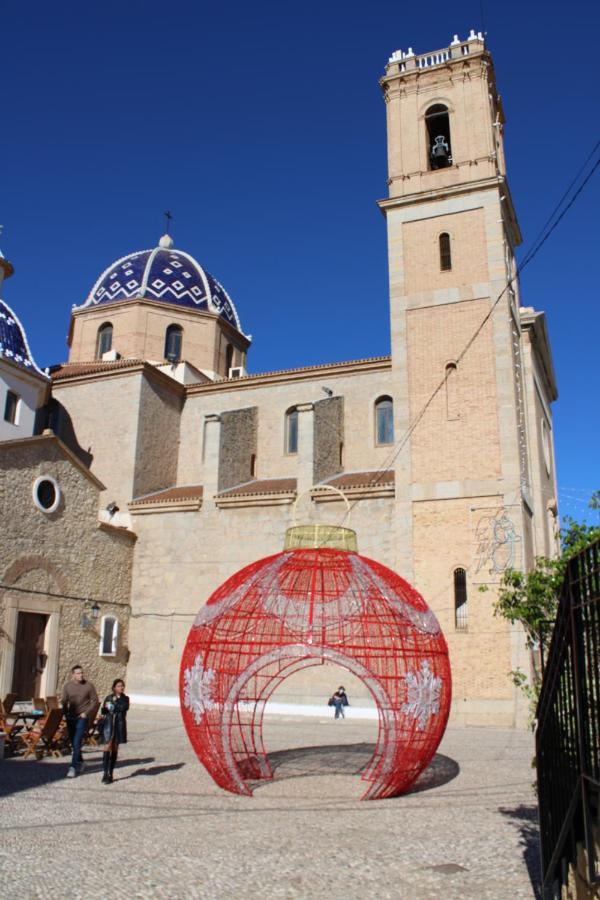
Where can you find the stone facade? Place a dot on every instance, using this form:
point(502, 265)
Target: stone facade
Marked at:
point(53, 557)
point(237, 448)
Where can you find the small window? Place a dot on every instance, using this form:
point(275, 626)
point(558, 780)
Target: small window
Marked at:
point(173, 342)
point(384, 420)
point(46, 493)
point(452, 407)
point(460, 600)
point(11, 408)
point(109, 630)
point(228, 359)
point(445, 254)
point(253, 466)
point(437, 121)
point(341, 455)
point(104, 340)
point(291, 431)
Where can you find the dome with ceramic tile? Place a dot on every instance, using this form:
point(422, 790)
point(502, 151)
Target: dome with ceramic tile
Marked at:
point(166, 275)
point(13, 340)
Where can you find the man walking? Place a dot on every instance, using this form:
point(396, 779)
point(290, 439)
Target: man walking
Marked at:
point(78, 699)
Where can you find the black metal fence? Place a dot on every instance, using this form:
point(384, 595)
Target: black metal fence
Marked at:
point(568, 731)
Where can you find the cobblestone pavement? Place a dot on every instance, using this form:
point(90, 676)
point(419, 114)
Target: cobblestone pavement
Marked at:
point(164, 830)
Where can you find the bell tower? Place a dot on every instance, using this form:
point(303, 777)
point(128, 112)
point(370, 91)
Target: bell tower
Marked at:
point(456, 348)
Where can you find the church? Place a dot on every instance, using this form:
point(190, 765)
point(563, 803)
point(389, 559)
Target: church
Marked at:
point(153, 464)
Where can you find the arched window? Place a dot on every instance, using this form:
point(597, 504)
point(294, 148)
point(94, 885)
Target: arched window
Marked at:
point(104, 339)
point(384, 421)
point(460, 600)
point(445, 253)
point(109, 631)
point(291, 430)
point(437, 121)
point(173, 343)
point(452, 405)
point(228, 359)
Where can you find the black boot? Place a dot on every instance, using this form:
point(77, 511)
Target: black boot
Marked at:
point(113, 759)
point(106, 778)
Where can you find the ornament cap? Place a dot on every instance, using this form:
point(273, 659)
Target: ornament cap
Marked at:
point(333, 536)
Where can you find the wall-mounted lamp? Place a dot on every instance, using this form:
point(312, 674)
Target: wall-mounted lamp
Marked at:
point(112, 508)
point(95, 611)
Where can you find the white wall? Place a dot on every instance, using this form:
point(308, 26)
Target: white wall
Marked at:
point(30, 388)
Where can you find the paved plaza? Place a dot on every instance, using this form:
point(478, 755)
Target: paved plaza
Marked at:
point(164, 830)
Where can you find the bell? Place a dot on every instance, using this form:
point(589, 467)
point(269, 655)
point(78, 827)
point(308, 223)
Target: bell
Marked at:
point(440, 153)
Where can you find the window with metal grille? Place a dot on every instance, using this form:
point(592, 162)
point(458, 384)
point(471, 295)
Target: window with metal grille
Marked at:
point(445, 253)
point(384, 420)
point(460, 600)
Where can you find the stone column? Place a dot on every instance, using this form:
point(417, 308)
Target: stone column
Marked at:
point(306, 429)
point(210, 452)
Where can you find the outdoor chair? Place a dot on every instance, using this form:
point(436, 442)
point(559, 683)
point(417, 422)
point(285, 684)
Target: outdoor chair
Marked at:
point(11, 729)
point(42, 737)
point(8, 703)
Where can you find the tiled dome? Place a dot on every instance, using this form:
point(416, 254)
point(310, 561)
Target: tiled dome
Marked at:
point(13, 341)
point(164, 274)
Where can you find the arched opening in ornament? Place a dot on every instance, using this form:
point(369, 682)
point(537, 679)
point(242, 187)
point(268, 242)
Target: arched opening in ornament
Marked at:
point(243, 723)
point(321, 747)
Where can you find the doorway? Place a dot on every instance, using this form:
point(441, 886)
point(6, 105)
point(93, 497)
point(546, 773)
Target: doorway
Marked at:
point(29, 659)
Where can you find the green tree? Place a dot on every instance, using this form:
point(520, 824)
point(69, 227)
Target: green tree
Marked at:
point(531, 598)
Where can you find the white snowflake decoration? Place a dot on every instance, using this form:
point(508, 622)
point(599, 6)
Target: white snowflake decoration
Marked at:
point(424, 690)
point(198, 689)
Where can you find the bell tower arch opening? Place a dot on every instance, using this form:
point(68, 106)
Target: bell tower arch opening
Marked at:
point(437, 122)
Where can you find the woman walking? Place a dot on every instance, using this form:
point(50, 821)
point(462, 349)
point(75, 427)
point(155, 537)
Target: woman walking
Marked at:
point(113, 730)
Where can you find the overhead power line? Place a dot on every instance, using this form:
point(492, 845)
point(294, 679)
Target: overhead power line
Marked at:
point(555, 218)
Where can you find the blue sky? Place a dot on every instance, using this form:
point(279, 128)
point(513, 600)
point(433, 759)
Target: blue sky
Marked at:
point(262, 128)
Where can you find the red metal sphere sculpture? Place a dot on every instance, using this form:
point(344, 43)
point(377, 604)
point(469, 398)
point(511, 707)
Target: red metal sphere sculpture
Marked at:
point(304, 607)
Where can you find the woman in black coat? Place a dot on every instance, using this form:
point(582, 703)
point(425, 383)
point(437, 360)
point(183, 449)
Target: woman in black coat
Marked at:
point(113, 728)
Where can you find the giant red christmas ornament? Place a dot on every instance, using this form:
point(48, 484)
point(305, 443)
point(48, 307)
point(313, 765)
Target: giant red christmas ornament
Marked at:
point(302, 607)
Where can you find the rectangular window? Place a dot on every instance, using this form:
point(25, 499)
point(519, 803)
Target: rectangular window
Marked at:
point(384, 421)
point(292, 431)
point(11, 408)
point(108, 636)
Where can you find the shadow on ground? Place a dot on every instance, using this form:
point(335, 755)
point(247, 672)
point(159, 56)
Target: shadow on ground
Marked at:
point(525, 819)
point(349, 759)
point(22, 774)
point(154, 770)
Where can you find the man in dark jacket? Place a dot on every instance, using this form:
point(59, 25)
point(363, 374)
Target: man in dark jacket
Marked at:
point(78, 700)
point(339, 700)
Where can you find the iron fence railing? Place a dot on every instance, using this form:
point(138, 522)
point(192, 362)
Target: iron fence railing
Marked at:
point(568, 729)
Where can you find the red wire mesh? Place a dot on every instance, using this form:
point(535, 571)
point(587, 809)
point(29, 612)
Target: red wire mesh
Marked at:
point(303, 608)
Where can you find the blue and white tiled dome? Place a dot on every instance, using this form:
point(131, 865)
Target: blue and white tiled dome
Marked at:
point(164, 274)
point(13, 340)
